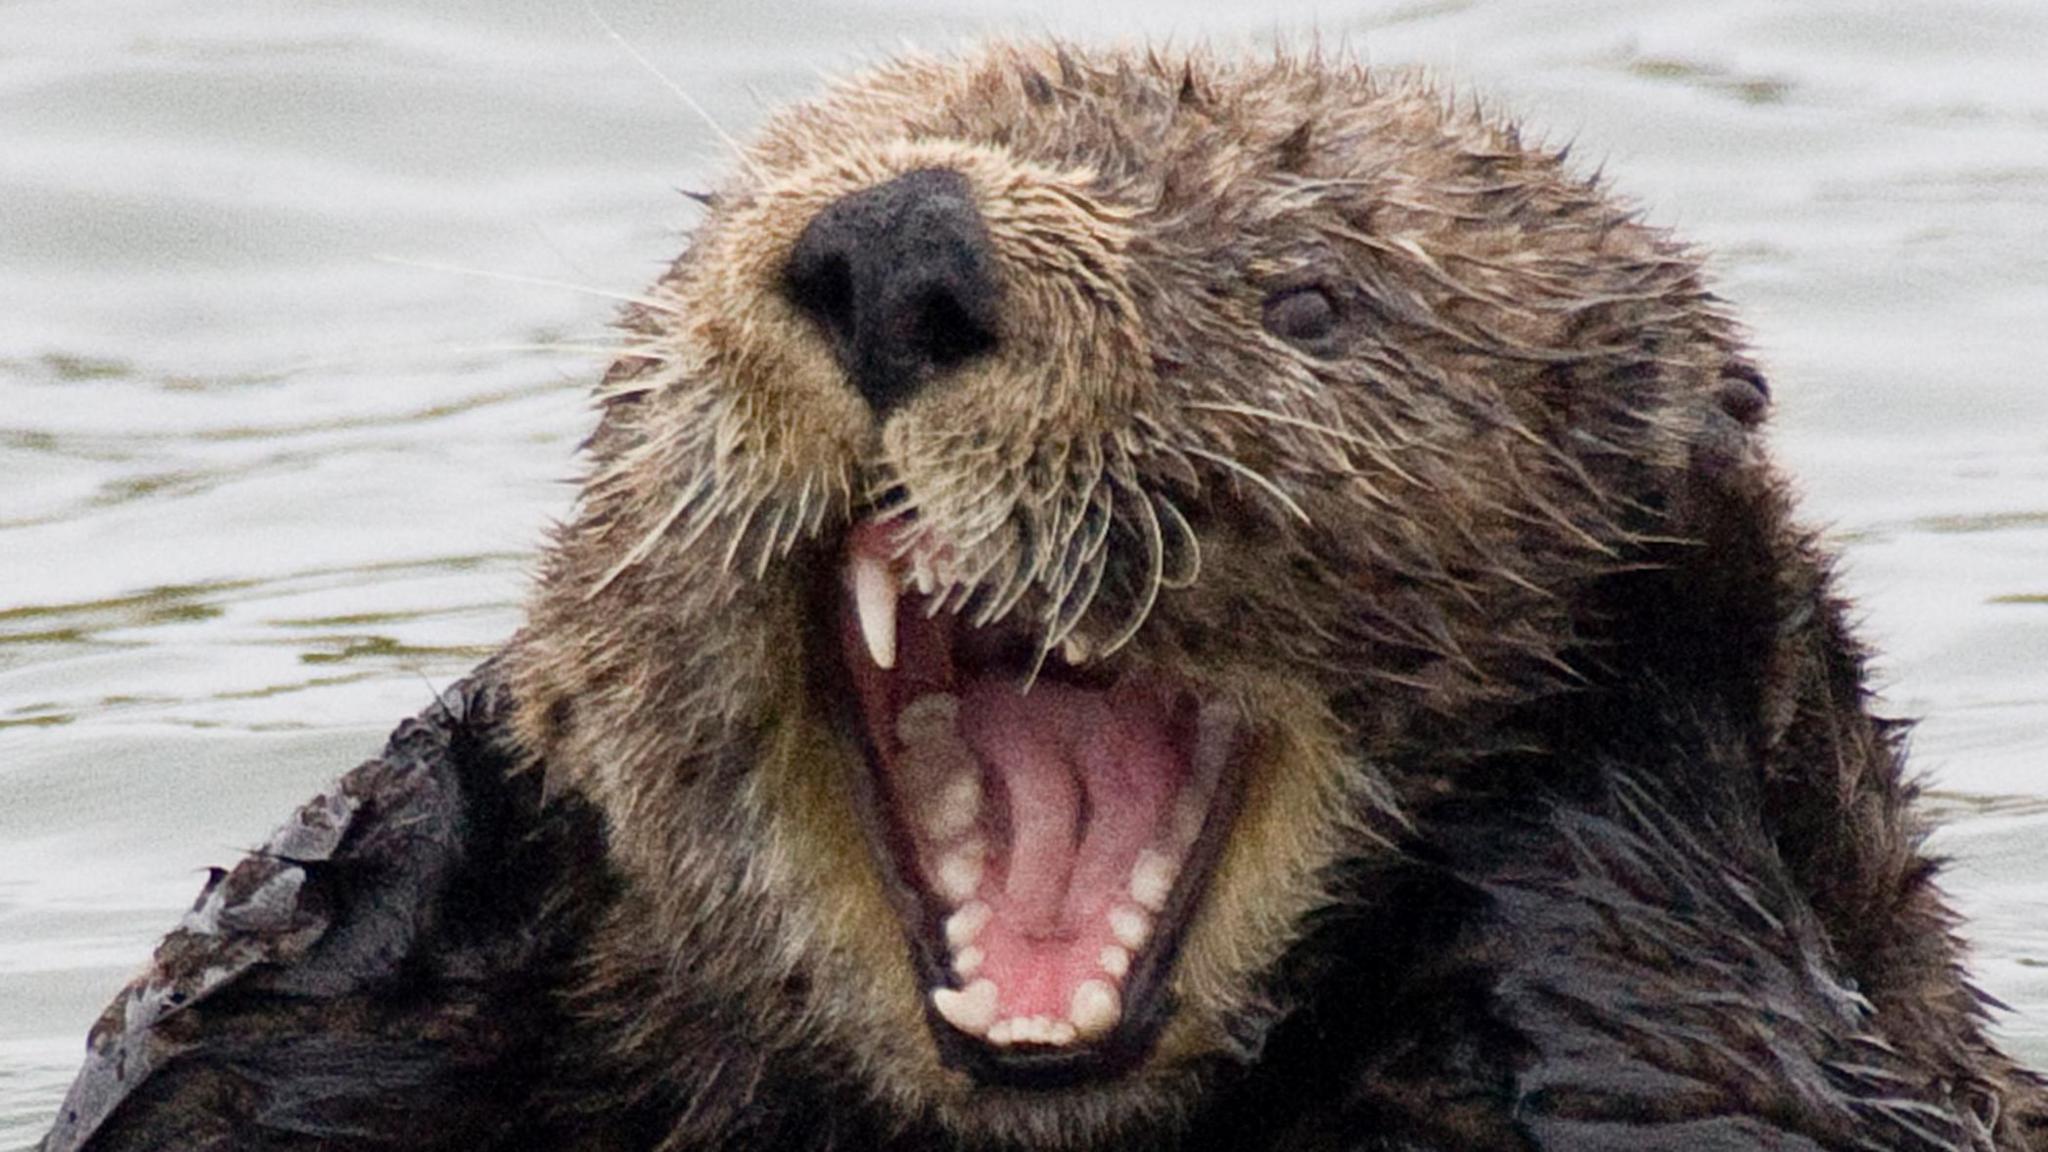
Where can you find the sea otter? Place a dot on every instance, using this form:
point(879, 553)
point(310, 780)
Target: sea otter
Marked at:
point(1122, 600)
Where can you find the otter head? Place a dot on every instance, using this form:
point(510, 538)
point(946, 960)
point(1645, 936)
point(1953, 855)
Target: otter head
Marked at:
point(1057, 512)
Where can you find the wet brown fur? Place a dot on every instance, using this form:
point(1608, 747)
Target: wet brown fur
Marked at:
point(1566, 821)
point(1386, 550)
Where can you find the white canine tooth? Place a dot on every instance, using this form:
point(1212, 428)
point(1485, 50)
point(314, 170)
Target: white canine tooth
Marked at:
point(960, 872)
point(1152, 880)
point(1115, 960)
point(1130, 926)
point(1075, 650)
point(929, 719)
point(956, 807)
point(1095, 1008)
point(968, 960)
point(875, 589)
point(964, 925)
point(971, 1009)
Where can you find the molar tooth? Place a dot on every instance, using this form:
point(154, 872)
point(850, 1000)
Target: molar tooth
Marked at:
point(929, 719)
point(960, 871)
point(1095, 1008)
point(1115, 960)
point(964, 925)
point(956, 808)
point(1130, 926)
point(875, 589)
point(968, 960)
point(971, 1009)
point(1152, 880)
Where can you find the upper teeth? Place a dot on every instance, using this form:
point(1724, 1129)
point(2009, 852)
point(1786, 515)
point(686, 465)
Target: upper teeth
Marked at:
point(960, 869)
point(875, 590)
point(1130, 926)
point(964, 925)
point(931, 718)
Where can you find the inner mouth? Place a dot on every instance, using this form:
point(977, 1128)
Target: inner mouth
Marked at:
point(1049, 819)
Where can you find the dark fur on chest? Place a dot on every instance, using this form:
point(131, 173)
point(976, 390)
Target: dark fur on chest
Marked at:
point(1617, 956)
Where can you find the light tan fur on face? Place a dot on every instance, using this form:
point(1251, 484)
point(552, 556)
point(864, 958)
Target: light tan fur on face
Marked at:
point(1342, 546)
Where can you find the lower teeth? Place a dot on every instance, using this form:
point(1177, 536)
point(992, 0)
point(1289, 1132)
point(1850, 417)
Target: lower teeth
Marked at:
point(941, 782)
point(1095, 1008)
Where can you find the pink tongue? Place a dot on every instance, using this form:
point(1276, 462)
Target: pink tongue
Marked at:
point(1088, 777)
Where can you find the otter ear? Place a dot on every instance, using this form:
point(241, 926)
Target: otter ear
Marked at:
point(1727, 439)
point(1728, 506)
point(1707, 606)
point(1740, 615)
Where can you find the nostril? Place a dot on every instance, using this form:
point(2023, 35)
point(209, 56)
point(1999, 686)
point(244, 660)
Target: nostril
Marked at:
point(901, 278)
point(820, 284)
point(945, 332)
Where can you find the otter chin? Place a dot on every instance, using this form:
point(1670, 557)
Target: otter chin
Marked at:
point(1126, 599)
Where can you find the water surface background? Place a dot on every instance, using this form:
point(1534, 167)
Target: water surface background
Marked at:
point(261, 491)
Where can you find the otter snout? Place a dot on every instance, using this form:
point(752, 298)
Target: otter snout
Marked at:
point(901, 277)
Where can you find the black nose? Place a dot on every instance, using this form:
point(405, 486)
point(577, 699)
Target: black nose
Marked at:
point(902, 278)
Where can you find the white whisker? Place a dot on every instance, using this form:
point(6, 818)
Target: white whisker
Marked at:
point(643, 301)
point(1271, 488)
point(1191, 543)
point(1379, 448)
point(639, 551)
point(1155, 549)
point(689, 102)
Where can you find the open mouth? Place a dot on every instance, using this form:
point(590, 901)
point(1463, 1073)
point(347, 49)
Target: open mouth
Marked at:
point(1048, 820)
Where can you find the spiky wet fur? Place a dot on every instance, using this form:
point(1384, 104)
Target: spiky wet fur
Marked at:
point(1567, 823)
point(1404, 554)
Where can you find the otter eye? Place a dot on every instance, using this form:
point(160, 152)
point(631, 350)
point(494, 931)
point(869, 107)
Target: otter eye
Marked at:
point(1301, 315)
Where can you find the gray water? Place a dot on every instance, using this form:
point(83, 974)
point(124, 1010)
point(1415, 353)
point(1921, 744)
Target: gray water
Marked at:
point(260, 490)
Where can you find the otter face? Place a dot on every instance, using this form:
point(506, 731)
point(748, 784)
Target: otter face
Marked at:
point(1056, 512)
